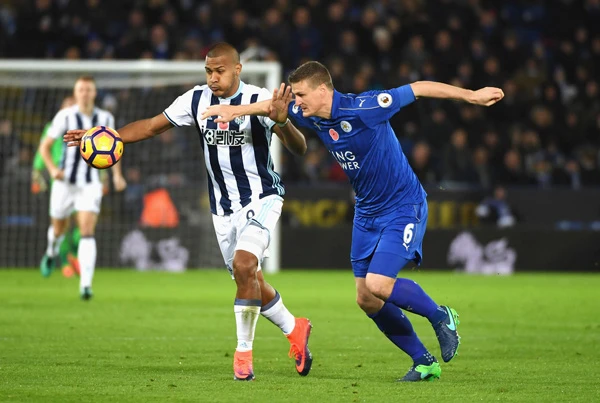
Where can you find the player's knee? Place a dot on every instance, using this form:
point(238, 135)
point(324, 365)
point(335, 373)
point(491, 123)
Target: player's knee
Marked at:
point(244, 267)
point(59, 227)
point(368, 302)
point(86, 231)
point(254, 239)
point(380, 286)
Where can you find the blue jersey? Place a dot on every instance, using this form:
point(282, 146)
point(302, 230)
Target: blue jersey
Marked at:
point(360, 138)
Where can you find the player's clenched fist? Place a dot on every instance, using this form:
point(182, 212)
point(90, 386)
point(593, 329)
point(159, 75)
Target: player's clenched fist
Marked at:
point(487, 96)
point(72, 137)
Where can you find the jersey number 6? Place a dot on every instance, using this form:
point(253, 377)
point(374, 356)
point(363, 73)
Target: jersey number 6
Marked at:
point(408, 233)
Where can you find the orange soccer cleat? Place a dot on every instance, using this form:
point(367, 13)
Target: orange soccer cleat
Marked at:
point(299, 346)
point(74, 263)
point(242, 366)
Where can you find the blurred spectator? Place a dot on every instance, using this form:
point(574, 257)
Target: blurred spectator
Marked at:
point(275, 34)
point(568, 175)
point(9, 144)
point(336, 24)
point(135, 39)
point(306, 39)
point(134, 194)
point(18, 168)
point(457, 166)
point(590, 172)
point(414, 53)
point(481, 166)
point(420, 161)
point(512, 173)
point(165, 164)
point(438, 129)
point(239, 29)
point(496, 209)
point(546, 64)
point(159, 43)
point(495, 152)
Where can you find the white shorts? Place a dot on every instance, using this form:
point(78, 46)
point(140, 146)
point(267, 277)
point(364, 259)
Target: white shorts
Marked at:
point(229, 229)
point(66, 198)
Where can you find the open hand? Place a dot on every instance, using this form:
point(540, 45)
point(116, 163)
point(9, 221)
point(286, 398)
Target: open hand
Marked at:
point(73, 137)
point(282, 97)
point(57, 174)
point(223, 113)
point(487, 96)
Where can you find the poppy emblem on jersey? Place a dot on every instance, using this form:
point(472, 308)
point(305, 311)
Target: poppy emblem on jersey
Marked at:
point(240, 120)
point(223, 125)
point(347, 127)
point(334, 135)
point(384, 100)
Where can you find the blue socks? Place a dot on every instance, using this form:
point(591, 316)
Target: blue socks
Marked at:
point(396, 327)
point(409, 296)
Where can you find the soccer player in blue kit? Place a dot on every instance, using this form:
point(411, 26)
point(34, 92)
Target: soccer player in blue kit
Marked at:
point(391, 207)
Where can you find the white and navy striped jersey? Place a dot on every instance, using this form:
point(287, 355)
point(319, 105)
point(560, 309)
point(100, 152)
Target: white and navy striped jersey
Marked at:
point(76, 170)
point(237, 156)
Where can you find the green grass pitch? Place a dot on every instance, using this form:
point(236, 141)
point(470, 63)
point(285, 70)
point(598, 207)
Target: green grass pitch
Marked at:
point(170, 337)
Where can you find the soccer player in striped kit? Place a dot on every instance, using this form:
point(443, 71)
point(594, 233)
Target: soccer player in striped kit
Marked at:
point(246, 194)
point(76, 185)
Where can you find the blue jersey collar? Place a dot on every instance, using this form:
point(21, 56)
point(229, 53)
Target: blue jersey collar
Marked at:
point(238, 92)
point(335, 105)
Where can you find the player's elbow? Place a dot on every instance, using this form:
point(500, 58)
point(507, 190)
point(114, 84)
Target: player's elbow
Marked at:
point(44, 148)
point(301, 149)
point(417, 88)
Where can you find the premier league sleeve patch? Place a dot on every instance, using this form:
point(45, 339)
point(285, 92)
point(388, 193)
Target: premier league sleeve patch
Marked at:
point(384, 100)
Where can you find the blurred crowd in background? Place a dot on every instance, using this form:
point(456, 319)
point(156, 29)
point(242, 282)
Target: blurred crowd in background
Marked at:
point(545, 55)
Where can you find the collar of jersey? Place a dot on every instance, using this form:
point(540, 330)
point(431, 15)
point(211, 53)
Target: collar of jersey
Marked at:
point(93, 110)
point(238, 92)
point(335, 105)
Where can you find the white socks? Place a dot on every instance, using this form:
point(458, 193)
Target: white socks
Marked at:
point(279, 315)
point(246, 315)
point(53, 247)
point(86, 253)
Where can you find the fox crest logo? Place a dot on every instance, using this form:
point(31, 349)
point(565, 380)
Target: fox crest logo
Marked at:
point(384, 100)
point(347, 127)
point(335, 136)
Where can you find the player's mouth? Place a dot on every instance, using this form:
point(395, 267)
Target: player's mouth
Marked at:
point(214, 88)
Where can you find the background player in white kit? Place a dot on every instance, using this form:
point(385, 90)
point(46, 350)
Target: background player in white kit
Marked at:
point(76, 185)
point(245, 194)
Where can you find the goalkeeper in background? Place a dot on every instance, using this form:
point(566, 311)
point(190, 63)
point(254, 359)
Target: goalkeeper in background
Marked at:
point(68, 247)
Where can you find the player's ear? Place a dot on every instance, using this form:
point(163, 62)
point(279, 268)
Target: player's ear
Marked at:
point(238, 68)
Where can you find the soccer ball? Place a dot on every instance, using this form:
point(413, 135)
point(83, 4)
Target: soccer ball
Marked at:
point(101, 147)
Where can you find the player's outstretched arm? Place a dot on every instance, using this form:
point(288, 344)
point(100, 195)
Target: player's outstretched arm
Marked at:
point(430, 89)
point(131, 133)
point(226, 113)
point(145, 128)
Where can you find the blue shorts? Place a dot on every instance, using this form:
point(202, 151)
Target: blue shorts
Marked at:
point(398, 235)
